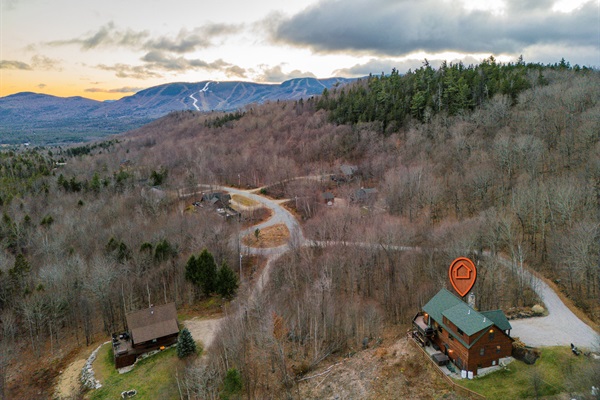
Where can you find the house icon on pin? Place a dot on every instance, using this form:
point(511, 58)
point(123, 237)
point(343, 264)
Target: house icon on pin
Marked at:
point(462, 271)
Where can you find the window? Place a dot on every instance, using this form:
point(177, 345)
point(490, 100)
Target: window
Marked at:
point(460, 332)
point(498, 349)
point(491, 334)
point(482, 351)
point(451, 337)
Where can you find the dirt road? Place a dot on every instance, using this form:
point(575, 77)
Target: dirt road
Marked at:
point(203, 330)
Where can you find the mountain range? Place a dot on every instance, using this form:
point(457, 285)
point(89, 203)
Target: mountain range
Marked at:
point(45, 119)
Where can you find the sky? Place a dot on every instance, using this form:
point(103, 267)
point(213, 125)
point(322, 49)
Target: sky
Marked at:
point(113, 48)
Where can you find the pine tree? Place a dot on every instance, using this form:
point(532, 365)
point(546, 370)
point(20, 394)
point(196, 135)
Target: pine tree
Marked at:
point(191, 271)
point(232, 384)
point(185, 344)
point(207, 272)
point(227, 281)
point(202, 272)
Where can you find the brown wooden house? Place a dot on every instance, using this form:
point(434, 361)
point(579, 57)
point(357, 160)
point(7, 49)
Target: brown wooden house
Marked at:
point(471, 339)
point(149, 329)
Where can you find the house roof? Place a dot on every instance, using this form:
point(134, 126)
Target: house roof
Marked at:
point(498, 318)
point(440, 302)
point(467, 319)
point(348, 169)
point(152, 323)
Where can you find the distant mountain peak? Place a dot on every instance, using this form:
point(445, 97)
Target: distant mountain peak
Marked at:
point(35, 117)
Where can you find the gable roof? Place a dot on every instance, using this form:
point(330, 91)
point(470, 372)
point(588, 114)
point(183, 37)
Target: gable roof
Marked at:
point(439, 303)
point(152, 323)
point(467, 319)
point(498, 318)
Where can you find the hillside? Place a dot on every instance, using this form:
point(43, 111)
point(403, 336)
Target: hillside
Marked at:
point(113, 224)
point(43, 119)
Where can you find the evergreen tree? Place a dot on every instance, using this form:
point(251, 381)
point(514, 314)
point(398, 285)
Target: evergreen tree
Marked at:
point(232, 384)
point(202, 272)
point(207, 269)
point(191, 271)
point(164, 250)
point(185, 344)
point(227, 281)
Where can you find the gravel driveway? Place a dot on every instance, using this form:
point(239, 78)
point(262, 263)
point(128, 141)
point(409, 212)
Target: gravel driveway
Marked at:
point(560, 328)
point(203, 330)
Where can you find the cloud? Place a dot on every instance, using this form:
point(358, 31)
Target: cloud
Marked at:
point(582, 55)
point(11, 64)
point(129, 71)
point(45, 63)
point(126, 89)
point(106, 35)
point(161, 60)
point(236, 71)
point(42, 86)
point(157, 62)
point(276, 74)
point(38, 62)
point(400, 27)
point(185, 41)
point(377, 66)
point(188, 41)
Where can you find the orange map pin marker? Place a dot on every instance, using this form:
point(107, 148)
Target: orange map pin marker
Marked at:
point(462, 273)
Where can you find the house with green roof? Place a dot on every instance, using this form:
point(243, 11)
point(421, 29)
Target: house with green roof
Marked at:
point(471, 339)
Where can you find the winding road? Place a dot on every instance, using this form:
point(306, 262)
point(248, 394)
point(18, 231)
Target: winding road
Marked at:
point(560, 327)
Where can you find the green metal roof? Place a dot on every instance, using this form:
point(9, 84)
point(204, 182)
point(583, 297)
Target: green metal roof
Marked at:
point(467, 319)
point(498, 318)
point(439, 303)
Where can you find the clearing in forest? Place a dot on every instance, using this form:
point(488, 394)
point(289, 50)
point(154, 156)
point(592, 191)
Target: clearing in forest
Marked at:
point(271, 236)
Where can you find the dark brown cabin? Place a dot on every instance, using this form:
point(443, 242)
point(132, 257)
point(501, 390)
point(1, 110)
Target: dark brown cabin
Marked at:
point(149, 329)
point(469, 338)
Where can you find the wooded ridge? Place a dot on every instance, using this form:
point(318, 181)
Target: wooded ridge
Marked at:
point(510, 167)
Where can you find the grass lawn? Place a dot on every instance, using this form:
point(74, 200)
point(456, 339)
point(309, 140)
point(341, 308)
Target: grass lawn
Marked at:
point(245, 201)
point(153, 377)
point(556, 371)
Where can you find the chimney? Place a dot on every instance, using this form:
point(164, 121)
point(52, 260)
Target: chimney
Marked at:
point(483, 319)
point(471, 300)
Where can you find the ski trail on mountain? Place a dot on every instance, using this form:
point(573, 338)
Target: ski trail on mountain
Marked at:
point(195, 102)
point(204, 89)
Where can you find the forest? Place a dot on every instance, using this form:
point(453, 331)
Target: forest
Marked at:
point(499, 159)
